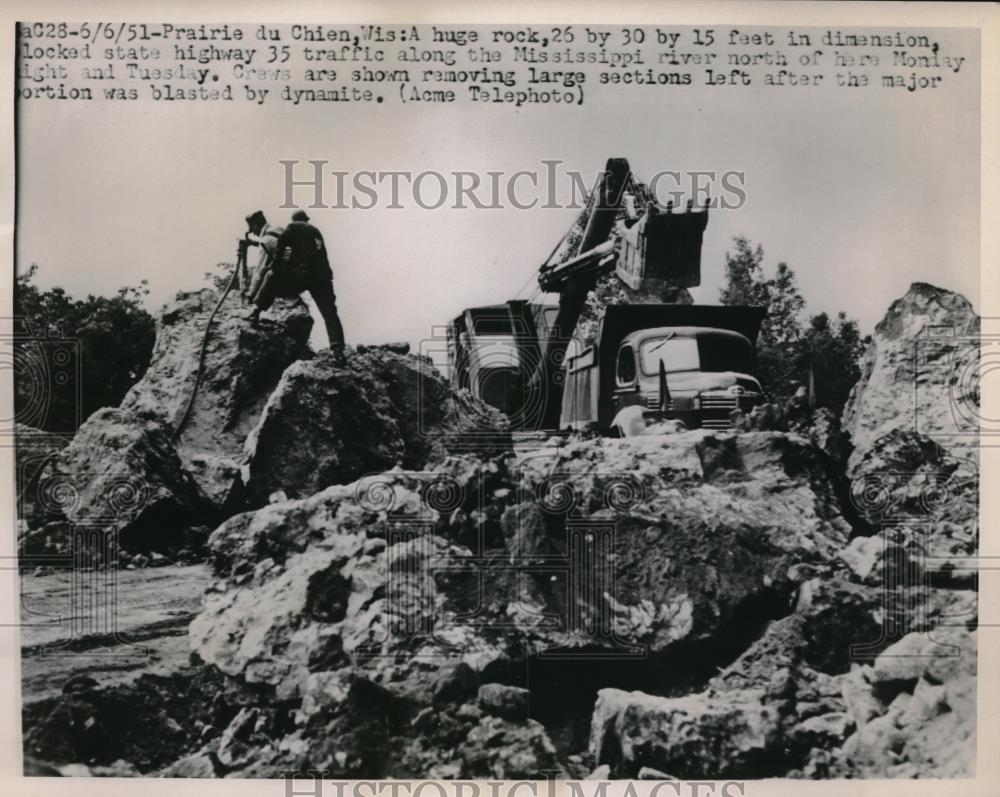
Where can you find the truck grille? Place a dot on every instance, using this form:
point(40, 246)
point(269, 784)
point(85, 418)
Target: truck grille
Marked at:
point(716, 410)
point(726, 403)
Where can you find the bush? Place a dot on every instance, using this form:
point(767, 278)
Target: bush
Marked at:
point(115, 337)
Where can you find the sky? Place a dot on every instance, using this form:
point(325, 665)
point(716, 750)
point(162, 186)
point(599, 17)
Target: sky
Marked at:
point(861, 193)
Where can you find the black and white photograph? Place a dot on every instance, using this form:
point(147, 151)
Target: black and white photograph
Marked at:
point(402, 397)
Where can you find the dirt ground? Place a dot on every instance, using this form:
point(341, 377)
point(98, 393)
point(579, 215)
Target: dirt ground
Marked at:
point(112, 629)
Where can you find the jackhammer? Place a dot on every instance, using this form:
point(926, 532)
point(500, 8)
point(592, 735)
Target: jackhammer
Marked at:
point(241, 274)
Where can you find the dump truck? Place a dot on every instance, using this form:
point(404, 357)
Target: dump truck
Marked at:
point(654, 355)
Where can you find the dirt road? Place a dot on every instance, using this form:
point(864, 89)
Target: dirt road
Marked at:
point(111, 627)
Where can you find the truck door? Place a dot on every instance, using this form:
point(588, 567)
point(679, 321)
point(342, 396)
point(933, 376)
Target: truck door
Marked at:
point(626, 391)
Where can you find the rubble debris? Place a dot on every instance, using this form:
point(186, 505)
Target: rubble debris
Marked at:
point(122, 730)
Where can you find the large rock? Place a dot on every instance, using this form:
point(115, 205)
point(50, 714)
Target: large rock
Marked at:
point(701, 531)
point(693, 532)
point(326, 424)
point(243, 363)
point(690, 737)
point(914, 470)
point(920, 373)
point(122, 474)
point(346, 577)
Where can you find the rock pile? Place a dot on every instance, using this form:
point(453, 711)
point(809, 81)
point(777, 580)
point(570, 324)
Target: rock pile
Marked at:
point(439, 587)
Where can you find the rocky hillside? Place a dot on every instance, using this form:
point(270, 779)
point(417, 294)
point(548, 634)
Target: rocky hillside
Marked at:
point(393, 602)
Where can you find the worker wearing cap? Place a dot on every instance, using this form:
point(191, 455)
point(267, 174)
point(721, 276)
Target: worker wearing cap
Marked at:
point(266, 237)
point(300, 263)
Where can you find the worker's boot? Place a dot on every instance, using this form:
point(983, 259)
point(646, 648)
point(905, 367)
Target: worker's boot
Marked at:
point(338, 356)
point(253, 316)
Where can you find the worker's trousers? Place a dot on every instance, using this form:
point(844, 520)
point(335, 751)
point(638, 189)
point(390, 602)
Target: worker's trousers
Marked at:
point(322, 293)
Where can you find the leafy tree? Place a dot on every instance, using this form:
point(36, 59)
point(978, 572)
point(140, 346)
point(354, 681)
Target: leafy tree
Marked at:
point(832, 351)
point(783, 325)
point(744, 275)
point(107, 345)
point(790, 350)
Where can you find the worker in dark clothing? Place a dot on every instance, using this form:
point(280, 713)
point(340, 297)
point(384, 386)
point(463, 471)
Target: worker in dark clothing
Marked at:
point(299, 263)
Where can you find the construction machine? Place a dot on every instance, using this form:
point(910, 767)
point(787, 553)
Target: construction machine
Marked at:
point(649, 350)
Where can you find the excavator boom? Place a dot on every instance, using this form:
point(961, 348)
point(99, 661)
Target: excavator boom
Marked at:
point(654, 250)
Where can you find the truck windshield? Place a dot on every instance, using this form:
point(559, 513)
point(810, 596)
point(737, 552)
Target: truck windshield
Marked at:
point(676, 354)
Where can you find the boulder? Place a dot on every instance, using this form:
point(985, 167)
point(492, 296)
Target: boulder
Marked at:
point(841, 618)
point(326, 424)
point(914, 469)
point(504, 701)
point(243, 363)
point(322, 425)
point(920, 373)
point(697, 530)
point(695, 736)
point(698, 527)
point(122, 474)
point(345, 577)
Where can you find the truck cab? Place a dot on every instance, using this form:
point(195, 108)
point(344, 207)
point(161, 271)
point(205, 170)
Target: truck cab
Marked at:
point(707, 373)
point(692, 363)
